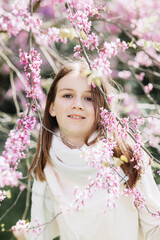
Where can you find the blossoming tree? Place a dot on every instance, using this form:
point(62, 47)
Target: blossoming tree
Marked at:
point(118, 39)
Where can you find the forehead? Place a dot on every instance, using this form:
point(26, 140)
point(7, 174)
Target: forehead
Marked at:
point(75, 81)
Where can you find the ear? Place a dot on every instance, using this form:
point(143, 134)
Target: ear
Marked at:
point(51, 110)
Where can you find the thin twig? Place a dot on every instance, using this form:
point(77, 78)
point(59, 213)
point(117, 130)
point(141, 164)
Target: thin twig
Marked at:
point(30, 31)
point(150, 116)
point(10, 64)
point(49, 59)
point(157, 86)
point(28, 192)
point(14, 92)
point(7, 50)
point(156, 74)
point(55, 54)
point(40, 143)
point(10, 208)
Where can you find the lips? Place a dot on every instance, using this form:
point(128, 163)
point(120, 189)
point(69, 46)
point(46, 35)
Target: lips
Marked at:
point(75, 116)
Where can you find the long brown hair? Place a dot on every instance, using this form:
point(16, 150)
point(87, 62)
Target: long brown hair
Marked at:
point(50, 123)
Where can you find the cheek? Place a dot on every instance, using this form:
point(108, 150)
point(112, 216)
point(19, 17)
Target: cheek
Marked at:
point(91, 110)
point(59, 107)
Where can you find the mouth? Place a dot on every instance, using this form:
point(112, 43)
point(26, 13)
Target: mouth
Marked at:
point(76, 117)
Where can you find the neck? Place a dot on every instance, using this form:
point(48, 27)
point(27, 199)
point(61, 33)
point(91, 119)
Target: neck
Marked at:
point(73, 142)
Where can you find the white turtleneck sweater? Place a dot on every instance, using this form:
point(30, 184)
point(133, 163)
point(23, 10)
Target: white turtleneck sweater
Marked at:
point(94, 221)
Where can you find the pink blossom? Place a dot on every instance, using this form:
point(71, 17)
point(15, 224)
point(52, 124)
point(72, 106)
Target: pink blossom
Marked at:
point(133, 63)
point(80, 20)
point(108, 119)
point(137, 195)
point(2, 195)
point(9, 177)
point(110, 98)
point(32, 64)
point(138, 156)
point(20, 225)
point(22, 187)
point(124, 129)
point(124, 74)
point(137, 122)
point(19, 19)
point(124, 46)
point(91, 42)
point(53, 34)
point(141, 76)
point(105, 177)
point(15, 147)
point(102, 65)
point(148, 88)
point(108, 50)
point(77, 49)
point(143, 59)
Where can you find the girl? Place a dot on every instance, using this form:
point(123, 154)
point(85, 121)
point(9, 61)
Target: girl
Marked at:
point(71, 123)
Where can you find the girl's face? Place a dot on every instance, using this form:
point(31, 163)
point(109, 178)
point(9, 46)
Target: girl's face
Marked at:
point(73, 108)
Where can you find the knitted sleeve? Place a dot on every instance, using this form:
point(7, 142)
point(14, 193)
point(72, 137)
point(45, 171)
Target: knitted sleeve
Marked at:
point(150, 224)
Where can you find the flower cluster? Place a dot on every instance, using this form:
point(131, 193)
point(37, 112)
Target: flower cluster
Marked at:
point(77, 49)
point(8, 176)
point(80, 20)
point(102, 65)
point(99, 157)
point(18, 139)
point(21, 224)
point(32, 64)
point(137, 195)
point(2, 195)
point(90, 41)
point(108, 50)
point(138, 157)
point(108, 119)
point(123, 129)
point(137, 122)
point(18, 19)
point(15, 147)
point(106, 180)
point(24, 225)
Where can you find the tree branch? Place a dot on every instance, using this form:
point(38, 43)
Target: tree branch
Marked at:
point(14, 93)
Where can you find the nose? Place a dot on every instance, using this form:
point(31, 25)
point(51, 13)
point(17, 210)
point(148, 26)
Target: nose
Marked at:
point(77, 104)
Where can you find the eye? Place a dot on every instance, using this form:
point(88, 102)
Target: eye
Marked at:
point(67, 96)
point(89, 99)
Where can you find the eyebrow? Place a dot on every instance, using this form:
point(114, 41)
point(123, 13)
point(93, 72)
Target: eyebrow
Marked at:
point(70, 89)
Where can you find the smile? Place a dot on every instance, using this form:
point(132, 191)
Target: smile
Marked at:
point(76, 117)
